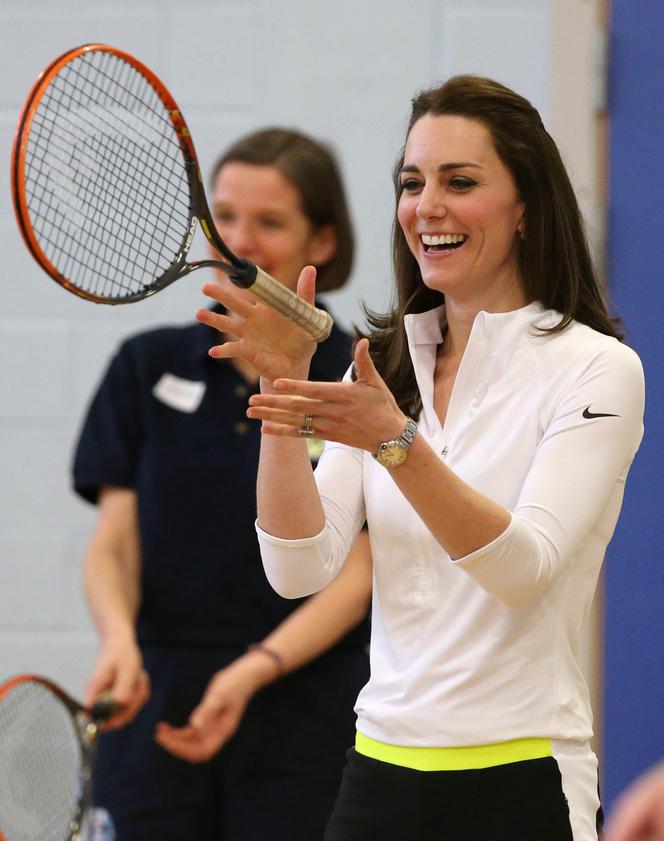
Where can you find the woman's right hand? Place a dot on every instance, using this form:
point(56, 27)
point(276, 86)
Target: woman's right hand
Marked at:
point(119, 670)
point(272, 344)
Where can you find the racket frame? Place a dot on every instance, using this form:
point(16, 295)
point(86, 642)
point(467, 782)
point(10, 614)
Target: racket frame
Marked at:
point(87, 723)
point(242, 272)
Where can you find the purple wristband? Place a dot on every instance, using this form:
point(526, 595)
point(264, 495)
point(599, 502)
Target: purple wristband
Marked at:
point(278, 659)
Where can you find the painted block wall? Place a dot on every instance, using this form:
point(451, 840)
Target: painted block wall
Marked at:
point(344, 71)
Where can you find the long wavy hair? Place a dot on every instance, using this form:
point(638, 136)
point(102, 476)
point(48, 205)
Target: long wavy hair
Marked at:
point(554, 259)
point(312, 168)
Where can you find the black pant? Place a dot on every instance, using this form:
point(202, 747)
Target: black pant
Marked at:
point(521, 801)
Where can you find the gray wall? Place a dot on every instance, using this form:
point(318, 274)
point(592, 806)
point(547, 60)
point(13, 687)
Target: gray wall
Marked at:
point(344, 71)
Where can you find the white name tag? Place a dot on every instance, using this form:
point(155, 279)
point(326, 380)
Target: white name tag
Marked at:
point(184, 395)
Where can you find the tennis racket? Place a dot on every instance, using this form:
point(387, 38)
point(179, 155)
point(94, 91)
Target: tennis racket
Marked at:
point(108, 192)
point(47, 748)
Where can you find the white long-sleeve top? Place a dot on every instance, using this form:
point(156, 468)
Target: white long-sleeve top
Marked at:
point(485, 648)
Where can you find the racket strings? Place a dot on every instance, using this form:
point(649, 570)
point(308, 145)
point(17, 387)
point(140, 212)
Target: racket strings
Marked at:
point(93, 241)
point(106, 183)
point(107, 192)
point(124, 118)
point(40, 765)
point(108, 189)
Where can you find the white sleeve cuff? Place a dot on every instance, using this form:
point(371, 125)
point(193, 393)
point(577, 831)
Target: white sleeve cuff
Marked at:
point(473, 558)
point(264, 536)
point(517, 566)
point(296, 568)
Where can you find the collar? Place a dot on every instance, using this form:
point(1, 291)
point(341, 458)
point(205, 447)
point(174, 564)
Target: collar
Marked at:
point(498, 329)
point(493, 336)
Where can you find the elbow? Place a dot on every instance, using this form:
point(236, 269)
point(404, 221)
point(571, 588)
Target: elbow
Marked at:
point(523, 595)
point(295, 569)
point(518, 570)
point(292, 588)
point(359, 610)
point(287, 590)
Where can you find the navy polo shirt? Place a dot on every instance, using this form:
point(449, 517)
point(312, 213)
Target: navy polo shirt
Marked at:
point(169, 422)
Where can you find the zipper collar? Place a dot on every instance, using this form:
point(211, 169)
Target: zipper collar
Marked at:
point(501, 328)
point(491, 333)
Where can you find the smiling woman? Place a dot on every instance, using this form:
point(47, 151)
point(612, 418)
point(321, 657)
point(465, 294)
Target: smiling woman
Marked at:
point(465, 440)
point(454, 187)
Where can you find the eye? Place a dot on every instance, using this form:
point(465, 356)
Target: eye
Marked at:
point(272, 223)
point(461, 183)
point(222, 217)
point(410, 185)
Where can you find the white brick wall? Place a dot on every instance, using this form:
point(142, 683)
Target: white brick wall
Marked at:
point(342, 70)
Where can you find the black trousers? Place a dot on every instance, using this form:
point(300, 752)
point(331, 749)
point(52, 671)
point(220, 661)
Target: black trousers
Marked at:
point(521, 801)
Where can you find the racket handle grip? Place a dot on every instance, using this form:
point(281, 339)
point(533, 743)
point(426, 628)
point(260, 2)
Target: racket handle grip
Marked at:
point(315, 322)
point(103, 708)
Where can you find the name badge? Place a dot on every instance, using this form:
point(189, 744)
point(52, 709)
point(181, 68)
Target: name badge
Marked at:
point(180, 394)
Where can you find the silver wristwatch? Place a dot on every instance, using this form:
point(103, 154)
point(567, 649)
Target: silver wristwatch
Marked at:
point(394, 452)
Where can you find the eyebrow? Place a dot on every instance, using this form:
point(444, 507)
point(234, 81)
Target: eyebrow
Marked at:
point(223, 204)
point(442, 167)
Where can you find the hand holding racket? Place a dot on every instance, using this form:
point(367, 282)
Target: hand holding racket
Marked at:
point(47, 749)
point(268, 342)
point(119, 674)
point(107, 188)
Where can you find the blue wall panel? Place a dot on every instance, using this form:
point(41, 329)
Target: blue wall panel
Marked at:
point(634, 668)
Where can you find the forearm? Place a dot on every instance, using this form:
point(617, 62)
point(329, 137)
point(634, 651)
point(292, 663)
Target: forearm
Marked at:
point(112, 565)
point(112, 590)
point(287, 497)
point(460, 518)
point(300, 567)
point(326, 617)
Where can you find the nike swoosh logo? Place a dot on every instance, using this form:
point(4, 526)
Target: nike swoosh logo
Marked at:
point(588, 414)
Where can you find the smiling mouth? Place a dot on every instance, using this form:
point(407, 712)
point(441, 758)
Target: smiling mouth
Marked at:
point(442, 242)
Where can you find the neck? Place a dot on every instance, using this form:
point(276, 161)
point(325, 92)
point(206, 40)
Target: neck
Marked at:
point(460, 315)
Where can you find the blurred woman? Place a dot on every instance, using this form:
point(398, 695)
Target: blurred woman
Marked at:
point(195, 646)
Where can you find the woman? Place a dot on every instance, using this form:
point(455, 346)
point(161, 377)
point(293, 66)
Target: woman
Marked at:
point(485, 435)
point(190, 635)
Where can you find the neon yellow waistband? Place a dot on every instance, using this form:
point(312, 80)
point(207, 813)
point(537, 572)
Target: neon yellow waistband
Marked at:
point(454, 759)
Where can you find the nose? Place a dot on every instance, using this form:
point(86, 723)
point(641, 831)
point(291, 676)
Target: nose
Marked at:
point(240, 238)
point(431, 203)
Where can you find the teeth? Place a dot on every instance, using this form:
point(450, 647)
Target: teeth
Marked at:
point(443, 239)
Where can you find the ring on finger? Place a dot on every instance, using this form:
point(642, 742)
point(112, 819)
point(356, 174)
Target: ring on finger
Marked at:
point(307, 429)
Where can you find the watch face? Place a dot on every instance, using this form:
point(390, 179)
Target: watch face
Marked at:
point(391, 454)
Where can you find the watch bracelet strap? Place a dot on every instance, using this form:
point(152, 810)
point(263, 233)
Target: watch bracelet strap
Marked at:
point(409, 433)
point(406, 438)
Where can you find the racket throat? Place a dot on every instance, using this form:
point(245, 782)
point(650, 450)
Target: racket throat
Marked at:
point(243, 275)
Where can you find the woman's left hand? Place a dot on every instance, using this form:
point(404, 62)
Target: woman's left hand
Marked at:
point(215, 720)
point(360, 414)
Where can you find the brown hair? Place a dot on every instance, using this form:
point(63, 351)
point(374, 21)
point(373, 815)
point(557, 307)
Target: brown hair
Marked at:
point(554, 259)
point(312, 168)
